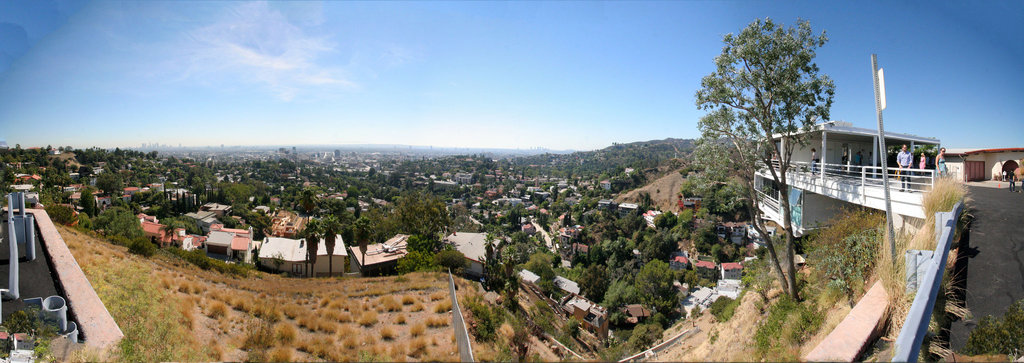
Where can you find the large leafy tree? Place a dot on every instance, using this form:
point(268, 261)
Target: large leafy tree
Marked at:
point(765, 84)
point(654, 287)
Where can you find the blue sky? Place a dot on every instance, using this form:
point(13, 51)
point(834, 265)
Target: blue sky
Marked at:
point(561, 75)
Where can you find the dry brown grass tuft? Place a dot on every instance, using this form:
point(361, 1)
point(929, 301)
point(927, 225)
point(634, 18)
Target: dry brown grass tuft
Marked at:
point(389, 303)
point(418, 347)
point(416, 308)
point(350, 342)
point(285, 333)
point(400, 319)
point(408, 300)
point(281, 354)
point(368, 319)
point(437, 321)
point(443, 307)
point(217, 310)
point(417, 329)
point(292, 311)
point(438, 295)
point(387, 333)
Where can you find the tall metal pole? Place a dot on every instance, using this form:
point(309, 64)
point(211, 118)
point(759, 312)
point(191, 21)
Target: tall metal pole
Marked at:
point(883, 154)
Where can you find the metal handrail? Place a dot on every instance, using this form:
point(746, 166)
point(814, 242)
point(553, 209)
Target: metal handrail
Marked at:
point(915, 327)
point(917, 179)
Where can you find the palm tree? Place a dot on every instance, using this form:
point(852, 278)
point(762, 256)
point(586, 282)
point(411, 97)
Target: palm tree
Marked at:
point(361, 229)
point(308, 200)
point(331, 227)
point(312, 235)
point(168, 229)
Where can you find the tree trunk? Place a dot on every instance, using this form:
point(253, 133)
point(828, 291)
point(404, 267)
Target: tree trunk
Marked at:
point(788, 227)
point(330, 265)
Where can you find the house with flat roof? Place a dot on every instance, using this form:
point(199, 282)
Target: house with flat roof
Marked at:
point(827, 179)
point(474, 247)
point(380, 258)
point(974, 164)
point(202, 219)
point(289, 255)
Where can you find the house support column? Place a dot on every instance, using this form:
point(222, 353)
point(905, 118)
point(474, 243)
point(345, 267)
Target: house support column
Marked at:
point(874, 156)
point(824, 156)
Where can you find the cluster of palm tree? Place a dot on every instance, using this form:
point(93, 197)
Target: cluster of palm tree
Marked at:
point(329, 228)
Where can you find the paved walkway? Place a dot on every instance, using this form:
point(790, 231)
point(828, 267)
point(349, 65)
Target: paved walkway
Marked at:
point(994, 271)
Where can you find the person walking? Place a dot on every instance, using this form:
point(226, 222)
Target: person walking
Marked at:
point(814, 160)
point(858, 160)
point(940, 162)
point(904, 159)
point(1013, 181)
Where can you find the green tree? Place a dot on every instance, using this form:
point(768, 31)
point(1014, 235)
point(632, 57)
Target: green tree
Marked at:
point(654, 286)
point(765, 84)
point(451, 259)
point(594, 282)
point(540, 263)
point(110, 183)
point(118, 221)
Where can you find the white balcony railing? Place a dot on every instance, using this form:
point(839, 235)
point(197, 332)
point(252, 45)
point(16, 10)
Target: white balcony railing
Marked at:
point(860, 185)
point(900, 179)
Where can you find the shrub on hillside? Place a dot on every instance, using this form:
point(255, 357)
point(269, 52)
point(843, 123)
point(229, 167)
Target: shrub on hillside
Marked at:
point(999, 336)
point(451, 259)
point(724, 308)
point(198, 258)
point(61, 214)
point(142, 247)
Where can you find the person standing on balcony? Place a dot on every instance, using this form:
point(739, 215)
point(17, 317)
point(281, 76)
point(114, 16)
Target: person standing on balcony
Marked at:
point(940, 162)
point(904, 159)
point(858, 160)
point(814, 160)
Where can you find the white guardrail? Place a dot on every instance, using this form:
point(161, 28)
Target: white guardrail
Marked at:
point(915, 327)
point(459, 323)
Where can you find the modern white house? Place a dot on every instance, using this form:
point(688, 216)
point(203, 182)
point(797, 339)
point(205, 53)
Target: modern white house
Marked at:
point(820, 190)
point(289, 255)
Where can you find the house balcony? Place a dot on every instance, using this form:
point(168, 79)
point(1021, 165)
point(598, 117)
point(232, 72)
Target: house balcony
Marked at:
point(819, 185)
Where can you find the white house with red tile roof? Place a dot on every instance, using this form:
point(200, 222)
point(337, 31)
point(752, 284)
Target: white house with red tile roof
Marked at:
point(236, 244)
point(732, 270)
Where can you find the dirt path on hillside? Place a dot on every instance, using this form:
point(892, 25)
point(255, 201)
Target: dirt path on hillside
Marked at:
point(663, 192)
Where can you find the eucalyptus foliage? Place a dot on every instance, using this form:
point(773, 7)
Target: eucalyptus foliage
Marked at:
point(765, 85)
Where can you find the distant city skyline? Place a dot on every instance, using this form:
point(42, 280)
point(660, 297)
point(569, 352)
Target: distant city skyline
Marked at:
point(510, 75)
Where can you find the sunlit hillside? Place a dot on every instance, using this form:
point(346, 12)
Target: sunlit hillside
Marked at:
point(171, 310)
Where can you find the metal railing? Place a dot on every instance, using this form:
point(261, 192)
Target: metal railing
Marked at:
point(459, 323)
point(866, 176)
point(915, 327)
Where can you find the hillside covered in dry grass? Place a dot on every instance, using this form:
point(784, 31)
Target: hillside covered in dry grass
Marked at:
point(170, 310)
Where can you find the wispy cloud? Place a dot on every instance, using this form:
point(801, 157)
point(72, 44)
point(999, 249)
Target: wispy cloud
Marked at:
point(254, 44)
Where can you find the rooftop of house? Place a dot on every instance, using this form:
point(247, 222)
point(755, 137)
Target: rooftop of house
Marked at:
point(294, 250)
point(528, 276)
point(732, 266)
point(377, 253)
point(637, 311)
point(705, 264)
point(472, 245)
point(567, 285)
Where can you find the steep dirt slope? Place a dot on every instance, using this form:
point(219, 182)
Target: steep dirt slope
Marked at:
point(663, 192)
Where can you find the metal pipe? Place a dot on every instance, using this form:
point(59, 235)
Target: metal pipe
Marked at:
point(55, 309)
point(12, 239)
